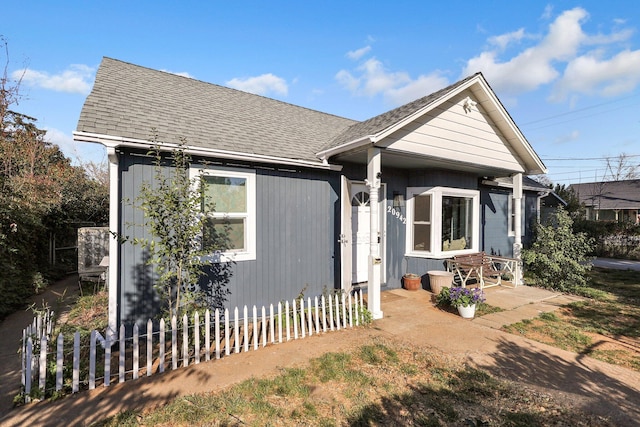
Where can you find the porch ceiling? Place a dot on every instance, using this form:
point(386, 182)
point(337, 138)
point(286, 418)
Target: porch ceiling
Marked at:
point(399, 160)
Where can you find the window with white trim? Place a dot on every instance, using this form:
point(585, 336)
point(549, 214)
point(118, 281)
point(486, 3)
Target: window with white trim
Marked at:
point(229, 198)
point(442, 221)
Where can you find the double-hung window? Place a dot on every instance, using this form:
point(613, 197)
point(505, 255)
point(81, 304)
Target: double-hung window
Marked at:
point(512, 215)
point(442, 222)
point(229, 199)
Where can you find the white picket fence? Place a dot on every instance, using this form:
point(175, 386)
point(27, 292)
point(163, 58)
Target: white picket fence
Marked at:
point(178, 344)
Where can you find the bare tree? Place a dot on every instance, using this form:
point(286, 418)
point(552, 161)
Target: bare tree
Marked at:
point(621, 168)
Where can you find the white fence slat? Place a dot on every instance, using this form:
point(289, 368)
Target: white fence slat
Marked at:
point(264, 326)
point(350, 311)
point(357, 311)
point(136, 351)
point(324, 314)
point(217, 333)
point(162, 341)
point(255, 328)
point(236, 331)
point(107, 360)
point(245, 334)
point(330, 312)
point(174, 343)
point(287, 318)
point(315, 301)
point(185, 340)
point(122, 345)
point(59, 362)
point(43, 363)
point(196, 337)
point(227, 345)
point(337, 307)
point(27, 385)
point(279, 322)
point(294, 309)
point(344, 311)
point(310, 316)
point(302, 328)
point(207, 335)
point(149, 347)
point(272, 329)
point(92, 361)
point(75, 383)
point(23, 356)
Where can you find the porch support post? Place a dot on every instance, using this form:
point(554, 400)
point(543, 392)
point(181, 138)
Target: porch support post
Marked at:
point(375, 262)
point(112, 272)
point(517, 218)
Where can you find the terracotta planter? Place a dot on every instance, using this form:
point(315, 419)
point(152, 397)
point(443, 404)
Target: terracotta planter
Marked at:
point(412, 282)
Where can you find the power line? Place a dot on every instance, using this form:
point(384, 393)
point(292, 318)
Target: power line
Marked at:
point(580, 110)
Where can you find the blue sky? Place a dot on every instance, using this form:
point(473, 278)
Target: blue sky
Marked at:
point(567, 72)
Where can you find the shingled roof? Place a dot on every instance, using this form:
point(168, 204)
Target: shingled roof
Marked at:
point(610, 194)
point(383, 121)
point(127, 101)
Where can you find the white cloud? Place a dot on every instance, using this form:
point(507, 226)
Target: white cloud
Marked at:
point(261, 85)
point(371, 78)
point(566, 56)
point(179, 73)
point(78, 152)
point(535, 65)
point(502, 41)
point(591, 75)
point(571, 136)
point(76, 79)
point(357, 54)
point(422, 86)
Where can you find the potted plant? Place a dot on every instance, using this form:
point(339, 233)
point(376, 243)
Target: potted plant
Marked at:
point(411, 282)
point(465, 300)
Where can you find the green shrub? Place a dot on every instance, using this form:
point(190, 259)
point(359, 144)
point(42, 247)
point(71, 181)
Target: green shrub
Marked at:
point(558, 257)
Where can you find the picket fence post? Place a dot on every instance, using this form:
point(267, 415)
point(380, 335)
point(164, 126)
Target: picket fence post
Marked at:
point(162, 346)
point(121, 355)
point(75, 383)
point(59, 362)
point(149, 347)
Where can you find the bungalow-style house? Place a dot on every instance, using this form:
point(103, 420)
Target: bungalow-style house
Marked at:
point(617, 201)
point(322, 201)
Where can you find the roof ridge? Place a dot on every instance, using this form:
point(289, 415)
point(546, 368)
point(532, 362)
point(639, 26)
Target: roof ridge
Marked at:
point(227, 88)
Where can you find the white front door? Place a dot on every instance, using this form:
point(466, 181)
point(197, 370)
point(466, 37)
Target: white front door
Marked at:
point(360, 232)
point(355, 231)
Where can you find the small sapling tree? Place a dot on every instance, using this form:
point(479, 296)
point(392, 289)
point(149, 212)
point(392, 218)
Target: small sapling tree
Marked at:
point(177, 221)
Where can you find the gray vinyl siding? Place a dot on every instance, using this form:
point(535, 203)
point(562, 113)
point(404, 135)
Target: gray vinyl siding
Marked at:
point(296, 240)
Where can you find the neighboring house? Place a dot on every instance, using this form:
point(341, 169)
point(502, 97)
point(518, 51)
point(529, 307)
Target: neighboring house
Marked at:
point(610, 200)
point(322, 201)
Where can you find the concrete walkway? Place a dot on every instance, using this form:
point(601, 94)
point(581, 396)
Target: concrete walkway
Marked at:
point(409, 317)
point(617, 264)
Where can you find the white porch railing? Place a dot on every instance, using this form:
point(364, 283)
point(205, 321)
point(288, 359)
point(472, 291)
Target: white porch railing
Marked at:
point(158, 347)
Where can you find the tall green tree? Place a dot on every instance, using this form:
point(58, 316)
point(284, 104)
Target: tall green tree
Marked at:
point(40, 192)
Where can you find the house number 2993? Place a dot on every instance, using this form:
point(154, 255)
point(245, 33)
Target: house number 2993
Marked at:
point(397, 214)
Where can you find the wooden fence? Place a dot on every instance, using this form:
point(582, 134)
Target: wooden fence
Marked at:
point(50, 366)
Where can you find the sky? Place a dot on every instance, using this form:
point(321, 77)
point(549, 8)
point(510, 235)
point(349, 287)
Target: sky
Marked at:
point(568, 73)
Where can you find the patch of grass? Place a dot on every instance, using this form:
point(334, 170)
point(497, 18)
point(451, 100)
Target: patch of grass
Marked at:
point(483, 309)
point(612, 309)
point(442, 392)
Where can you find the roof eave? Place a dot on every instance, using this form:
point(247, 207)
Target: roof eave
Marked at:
point(111, 141)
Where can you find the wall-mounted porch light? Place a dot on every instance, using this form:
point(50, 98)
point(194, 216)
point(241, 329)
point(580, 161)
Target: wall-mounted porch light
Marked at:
point(398, 199)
